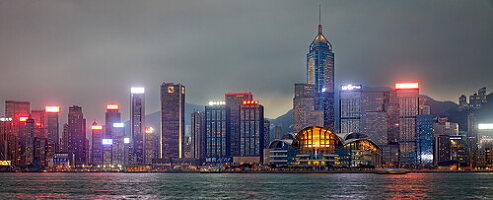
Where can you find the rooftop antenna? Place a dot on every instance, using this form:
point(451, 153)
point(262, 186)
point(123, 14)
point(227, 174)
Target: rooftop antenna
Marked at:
point(319, 18)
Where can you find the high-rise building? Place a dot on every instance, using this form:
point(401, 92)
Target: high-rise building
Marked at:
point(463, 102)
point(234, 101)
point(28, 143)
point(112, 115)
point(217, 133)
point(198, 135)
point(482, 95)
point(277, 132)
point(172, 120)
point(320, 73)
point(64, 140)
point(52, 129)
point(137, 125)
point(76, 144)
point(251, 130)
point(408, 97)
point(424, 129)
point(267, 135)
point(349, 108)
point(18, 111)
point(97, 144)
point(304, 112)
point(150, 143)
point(8, 141)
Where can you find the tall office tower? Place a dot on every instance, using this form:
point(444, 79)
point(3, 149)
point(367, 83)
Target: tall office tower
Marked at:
point(28, 143)
point(150, 143)
point(482, 95)
point(39, 123)
point(267, 136)
point(424, 130)
point(463, 102)
point(408, 96)
point(172, 120)
point(278, 132)
point(234, 101)
point(53, 137)
point(137, 124)
point(475, 101)
point(7, 139)
point(112, 115)
point(97, 144)
point(118, 146)
point(39, 152)
point(251, 130)
point(18, 111)
point(76, 130)
point(320, 72)
point(198, 135)
point(442, 127)
point(304, 112)
point(217, 133)
point(64, 140)
point(349, 108)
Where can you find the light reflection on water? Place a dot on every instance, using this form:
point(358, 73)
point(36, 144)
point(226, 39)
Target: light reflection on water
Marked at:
point(245, 186)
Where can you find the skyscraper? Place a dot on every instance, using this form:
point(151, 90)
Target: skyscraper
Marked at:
point(234, 101)
point(76, 144)
point(150, 143)
point(218, 133)
point(424, 129)
point(349, 108)
point(18, 111)
point(97, 144)
point(198, 135)
point(267, 135)
point(304, 113)
point(111, 116)
point(172, 120)
point(137, 124)
point(320, 73)
point(52, 129)
point(251, 130)
point(8, 141)
point(408, 97)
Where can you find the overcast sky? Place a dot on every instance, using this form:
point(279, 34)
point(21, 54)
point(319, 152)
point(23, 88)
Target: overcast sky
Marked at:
point(91, 52)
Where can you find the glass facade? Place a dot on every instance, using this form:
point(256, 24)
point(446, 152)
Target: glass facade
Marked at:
point(251, 130)
point(217, 135)
point(425, 139)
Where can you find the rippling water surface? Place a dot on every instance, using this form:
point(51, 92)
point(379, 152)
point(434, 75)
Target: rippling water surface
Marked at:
point(245, 186)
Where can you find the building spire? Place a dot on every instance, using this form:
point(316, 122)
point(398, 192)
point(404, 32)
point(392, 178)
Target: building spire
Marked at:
point(319, 18)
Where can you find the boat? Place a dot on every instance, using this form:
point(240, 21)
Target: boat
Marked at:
point(391, 171)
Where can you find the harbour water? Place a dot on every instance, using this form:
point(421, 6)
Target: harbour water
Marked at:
point(245, 186)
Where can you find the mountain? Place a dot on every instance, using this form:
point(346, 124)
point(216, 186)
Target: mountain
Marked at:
point(285, 121)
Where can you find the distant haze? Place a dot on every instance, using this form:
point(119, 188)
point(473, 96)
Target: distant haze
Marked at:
point(91, 52)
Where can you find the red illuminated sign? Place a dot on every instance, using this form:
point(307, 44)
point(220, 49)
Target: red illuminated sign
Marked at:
point(96, 127)
point(406, 85)
point(248, 102)
point(112, 107)
point(149, 130)
point(38, 124)
point(52, 109)
point(23, 119)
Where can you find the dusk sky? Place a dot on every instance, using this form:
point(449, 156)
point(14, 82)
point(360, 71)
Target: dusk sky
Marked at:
point(90, 53)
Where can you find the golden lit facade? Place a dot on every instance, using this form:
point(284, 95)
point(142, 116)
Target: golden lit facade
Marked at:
point(316, 147)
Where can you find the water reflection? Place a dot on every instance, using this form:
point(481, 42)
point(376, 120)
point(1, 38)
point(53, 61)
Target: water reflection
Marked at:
point(244, 186)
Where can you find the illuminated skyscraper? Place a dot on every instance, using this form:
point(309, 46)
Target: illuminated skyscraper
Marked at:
point(53, 140)
point(234, 101)
point(76, 130)
point(172, 120)
point(320, 73)
point(198, 135)
point(112, 115)
point(267, 135)
point(304, 112)
point(424, 130)
point(349, 108)
point(251, 130)
point(18, 111)
point(8, 142)
point(408, 97)
point(137, 124)
point(150, 143)
point(217, 135)
point(97, 144)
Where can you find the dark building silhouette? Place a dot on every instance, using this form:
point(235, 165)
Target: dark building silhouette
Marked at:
point(172, 120)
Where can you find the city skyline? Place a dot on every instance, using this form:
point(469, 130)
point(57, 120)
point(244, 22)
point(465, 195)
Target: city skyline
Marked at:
point(415, 50)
